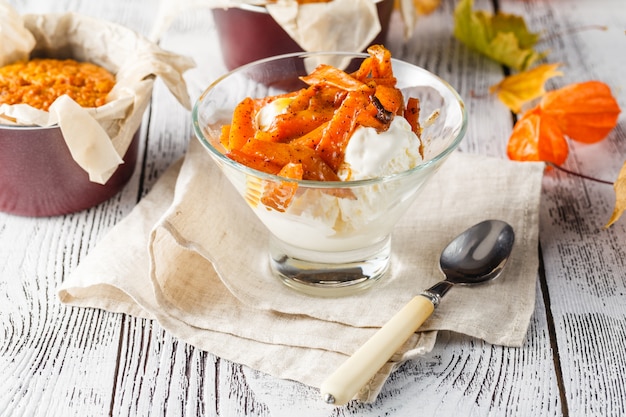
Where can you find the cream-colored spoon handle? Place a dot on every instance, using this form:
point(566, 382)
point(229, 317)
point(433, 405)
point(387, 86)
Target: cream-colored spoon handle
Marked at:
point(353, 374)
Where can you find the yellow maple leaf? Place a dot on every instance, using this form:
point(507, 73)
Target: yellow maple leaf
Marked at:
point(502, 37)
point(620, 196)
point(518, 89)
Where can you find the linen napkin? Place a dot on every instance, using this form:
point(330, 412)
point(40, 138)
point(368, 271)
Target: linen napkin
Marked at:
point(193, 256)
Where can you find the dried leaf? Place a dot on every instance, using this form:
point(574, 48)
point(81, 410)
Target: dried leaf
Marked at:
point(516, 90)
point(620, 196)
point(586, 112)
point(536, 137)
point(501, 37)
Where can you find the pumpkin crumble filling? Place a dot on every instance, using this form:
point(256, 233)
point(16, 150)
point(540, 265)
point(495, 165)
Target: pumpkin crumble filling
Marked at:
point(39, 82)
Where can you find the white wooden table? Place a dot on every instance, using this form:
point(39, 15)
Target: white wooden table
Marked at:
point(60, 361)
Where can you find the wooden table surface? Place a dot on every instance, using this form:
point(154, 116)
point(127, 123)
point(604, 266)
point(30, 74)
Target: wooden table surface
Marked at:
point(62, 361)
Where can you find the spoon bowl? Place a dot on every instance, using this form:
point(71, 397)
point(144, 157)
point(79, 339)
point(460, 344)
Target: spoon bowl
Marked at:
point(478, 254)
point(475, 256)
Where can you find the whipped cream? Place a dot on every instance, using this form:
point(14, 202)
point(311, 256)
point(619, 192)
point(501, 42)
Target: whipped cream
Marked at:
point(370, 154)
point(268, 113)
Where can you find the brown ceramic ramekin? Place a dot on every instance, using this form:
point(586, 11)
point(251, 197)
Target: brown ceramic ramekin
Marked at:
point(248, 33)
point(39, 177)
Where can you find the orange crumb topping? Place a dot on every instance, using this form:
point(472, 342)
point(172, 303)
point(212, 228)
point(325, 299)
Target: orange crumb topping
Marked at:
point(39, 82)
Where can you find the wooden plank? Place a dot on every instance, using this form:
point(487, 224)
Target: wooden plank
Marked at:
point(586, 264)
point(128, 366)
point(47, 349)
point(157, 374)
point(56, 360)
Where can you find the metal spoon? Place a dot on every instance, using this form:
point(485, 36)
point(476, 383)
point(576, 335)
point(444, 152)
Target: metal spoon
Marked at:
point(476, 255)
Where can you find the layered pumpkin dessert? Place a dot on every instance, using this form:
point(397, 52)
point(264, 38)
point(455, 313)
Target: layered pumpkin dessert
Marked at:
point(355, 128)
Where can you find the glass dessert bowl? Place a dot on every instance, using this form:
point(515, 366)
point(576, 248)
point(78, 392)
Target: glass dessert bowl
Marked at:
point(332, 237)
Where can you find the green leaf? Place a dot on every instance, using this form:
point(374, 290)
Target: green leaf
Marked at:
point(501, 37)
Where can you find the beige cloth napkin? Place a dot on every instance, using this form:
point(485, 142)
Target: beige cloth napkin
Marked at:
point(193, 256)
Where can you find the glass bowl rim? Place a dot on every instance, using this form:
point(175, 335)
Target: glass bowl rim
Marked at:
point(215, 153)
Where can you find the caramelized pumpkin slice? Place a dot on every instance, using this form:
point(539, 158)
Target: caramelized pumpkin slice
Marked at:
point(302, 99)
point(327, 74)
point(375, 116)
point(313, 138)
point(292, 125)
point(364, 71)
point(254, 161)
point(381, 63)
point(278, 195)
point(243, 126)
point(377, 67)
point(390, 98)
point(412, 115)
point(335, 138)
point(283, 153)
point(225, 136)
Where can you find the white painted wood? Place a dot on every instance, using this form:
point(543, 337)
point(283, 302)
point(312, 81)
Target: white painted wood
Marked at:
point(59, 361)
point(585, 263)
